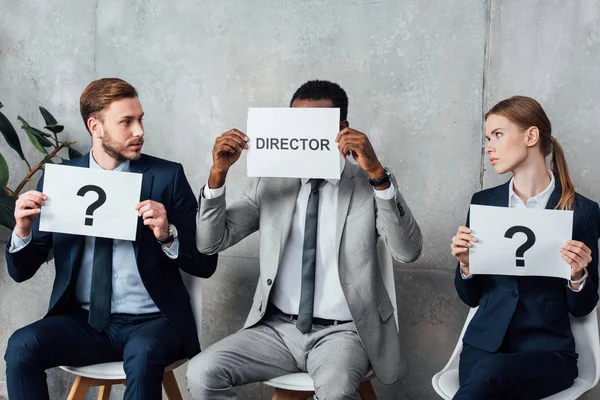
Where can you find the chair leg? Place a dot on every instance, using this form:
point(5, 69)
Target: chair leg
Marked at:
point(79, 388)
point(104, 392)
point(282, 394)
point(171, 387)
point(366, 391)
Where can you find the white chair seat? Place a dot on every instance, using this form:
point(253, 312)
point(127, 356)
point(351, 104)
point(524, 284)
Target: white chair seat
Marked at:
point(111, 370)
point(300, 382)
point(448, 380)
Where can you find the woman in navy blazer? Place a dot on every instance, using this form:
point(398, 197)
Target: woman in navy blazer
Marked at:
point(519, 344)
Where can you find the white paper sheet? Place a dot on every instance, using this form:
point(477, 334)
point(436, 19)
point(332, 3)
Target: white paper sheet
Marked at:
point(75, 206)
point(495, 253)
point(293, 143)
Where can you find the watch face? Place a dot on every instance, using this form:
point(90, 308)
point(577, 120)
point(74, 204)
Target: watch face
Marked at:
point(172, 230)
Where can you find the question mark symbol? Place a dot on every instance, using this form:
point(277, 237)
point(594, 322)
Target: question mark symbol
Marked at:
point(525, 246)
point(95, 205)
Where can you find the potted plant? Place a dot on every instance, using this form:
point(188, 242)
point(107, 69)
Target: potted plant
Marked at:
point(46, 142)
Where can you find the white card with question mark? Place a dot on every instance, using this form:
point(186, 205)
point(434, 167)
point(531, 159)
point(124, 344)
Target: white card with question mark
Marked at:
point(519, 241)
point(90, 202)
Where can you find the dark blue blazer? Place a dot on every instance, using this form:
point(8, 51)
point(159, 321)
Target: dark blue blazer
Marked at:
point(165, 182)
point(530, 313)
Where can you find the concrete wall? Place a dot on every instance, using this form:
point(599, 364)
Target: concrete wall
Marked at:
point(419, 74)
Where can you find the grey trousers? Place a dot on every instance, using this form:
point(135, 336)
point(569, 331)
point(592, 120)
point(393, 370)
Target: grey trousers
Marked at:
point(332, 355)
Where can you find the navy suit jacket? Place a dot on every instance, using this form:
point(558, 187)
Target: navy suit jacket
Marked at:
point(530, 313)
point(162, 181)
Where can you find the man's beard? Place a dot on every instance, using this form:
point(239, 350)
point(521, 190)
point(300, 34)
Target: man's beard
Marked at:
point(116, 152)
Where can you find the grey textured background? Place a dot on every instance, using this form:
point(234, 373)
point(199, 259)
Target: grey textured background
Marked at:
point(419, 74)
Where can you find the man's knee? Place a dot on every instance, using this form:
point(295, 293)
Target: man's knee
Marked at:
point(337, 385)
point(144, 357)
point(206, 371)
point(23, 347)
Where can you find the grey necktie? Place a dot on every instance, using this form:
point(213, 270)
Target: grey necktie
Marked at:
point(309, 259)
point(101, 287)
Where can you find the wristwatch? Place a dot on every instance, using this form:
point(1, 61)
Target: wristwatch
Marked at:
point(171, 237)
point(585, 275)
point(382, 180)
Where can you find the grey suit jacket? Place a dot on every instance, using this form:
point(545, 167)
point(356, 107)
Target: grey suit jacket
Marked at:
point(268, 204)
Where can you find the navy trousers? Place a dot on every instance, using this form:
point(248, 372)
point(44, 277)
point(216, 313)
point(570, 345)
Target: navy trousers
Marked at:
point(523, 375)
point(146, 343)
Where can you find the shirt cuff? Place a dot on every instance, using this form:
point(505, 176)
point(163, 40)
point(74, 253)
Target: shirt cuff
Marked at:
point(580, 287)
point(17, 243)
point(173, 251)
point(209, 193)
point(385, 194)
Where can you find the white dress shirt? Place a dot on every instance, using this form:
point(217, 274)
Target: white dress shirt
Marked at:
point(539, 202)
point(129, 295)
point(330, 302)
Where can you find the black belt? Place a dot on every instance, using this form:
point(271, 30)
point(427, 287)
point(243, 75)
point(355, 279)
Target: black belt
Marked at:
point(315, 320)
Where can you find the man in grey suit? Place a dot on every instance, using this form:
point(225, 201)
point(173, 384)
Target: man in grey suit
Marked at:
point(320, 305)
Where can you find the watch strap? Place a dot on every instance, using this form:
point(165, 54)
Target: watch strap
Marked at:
point(382, 180)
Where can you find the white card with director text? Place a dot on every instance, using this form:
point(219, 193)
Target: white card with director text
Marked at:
point(519, 241)
point(293, 143)
point(90, 202)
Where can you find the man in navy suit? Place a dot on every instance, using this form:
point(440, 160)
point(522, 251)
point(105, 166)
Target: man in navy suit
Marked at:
point(112, 300)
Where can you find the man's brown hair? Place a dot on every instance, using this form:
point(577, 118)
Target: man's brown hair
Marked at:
point(99, 94)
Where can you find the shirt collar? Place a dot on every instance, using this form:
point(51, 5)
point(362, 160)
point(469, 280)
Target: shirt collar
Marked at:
point(123, 167)
point(541, 198)
point(334, 182)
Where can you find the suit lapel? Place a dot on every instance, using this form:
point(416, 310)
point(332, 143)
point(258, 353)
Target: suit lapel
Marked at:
point(289, 195)
point(141, 166)
point(344, 196)
point(499, 196)
point(83, 161)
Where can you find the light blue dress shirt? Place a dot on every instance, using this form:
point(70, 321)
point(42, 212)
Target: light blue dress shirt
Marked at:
point(129, 296)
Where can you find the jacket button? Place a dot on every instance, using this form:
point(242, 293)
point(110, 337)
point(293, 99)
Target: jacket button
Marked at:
point(269, 282)
point(514, 294)
point(400, 209)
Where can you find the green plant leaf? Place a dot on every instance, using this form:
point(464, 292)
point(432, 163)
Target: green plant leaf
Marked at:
point(35, 143)
point(51, 123)
point(34, 132)
point(43, 141)
point(9, 133)
point(1, 105)
point(7, 209)
point(41, 133)
point(49, 118)
point(74, 153)
point(48, 160)
point(4, 173)
point(55, 128)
